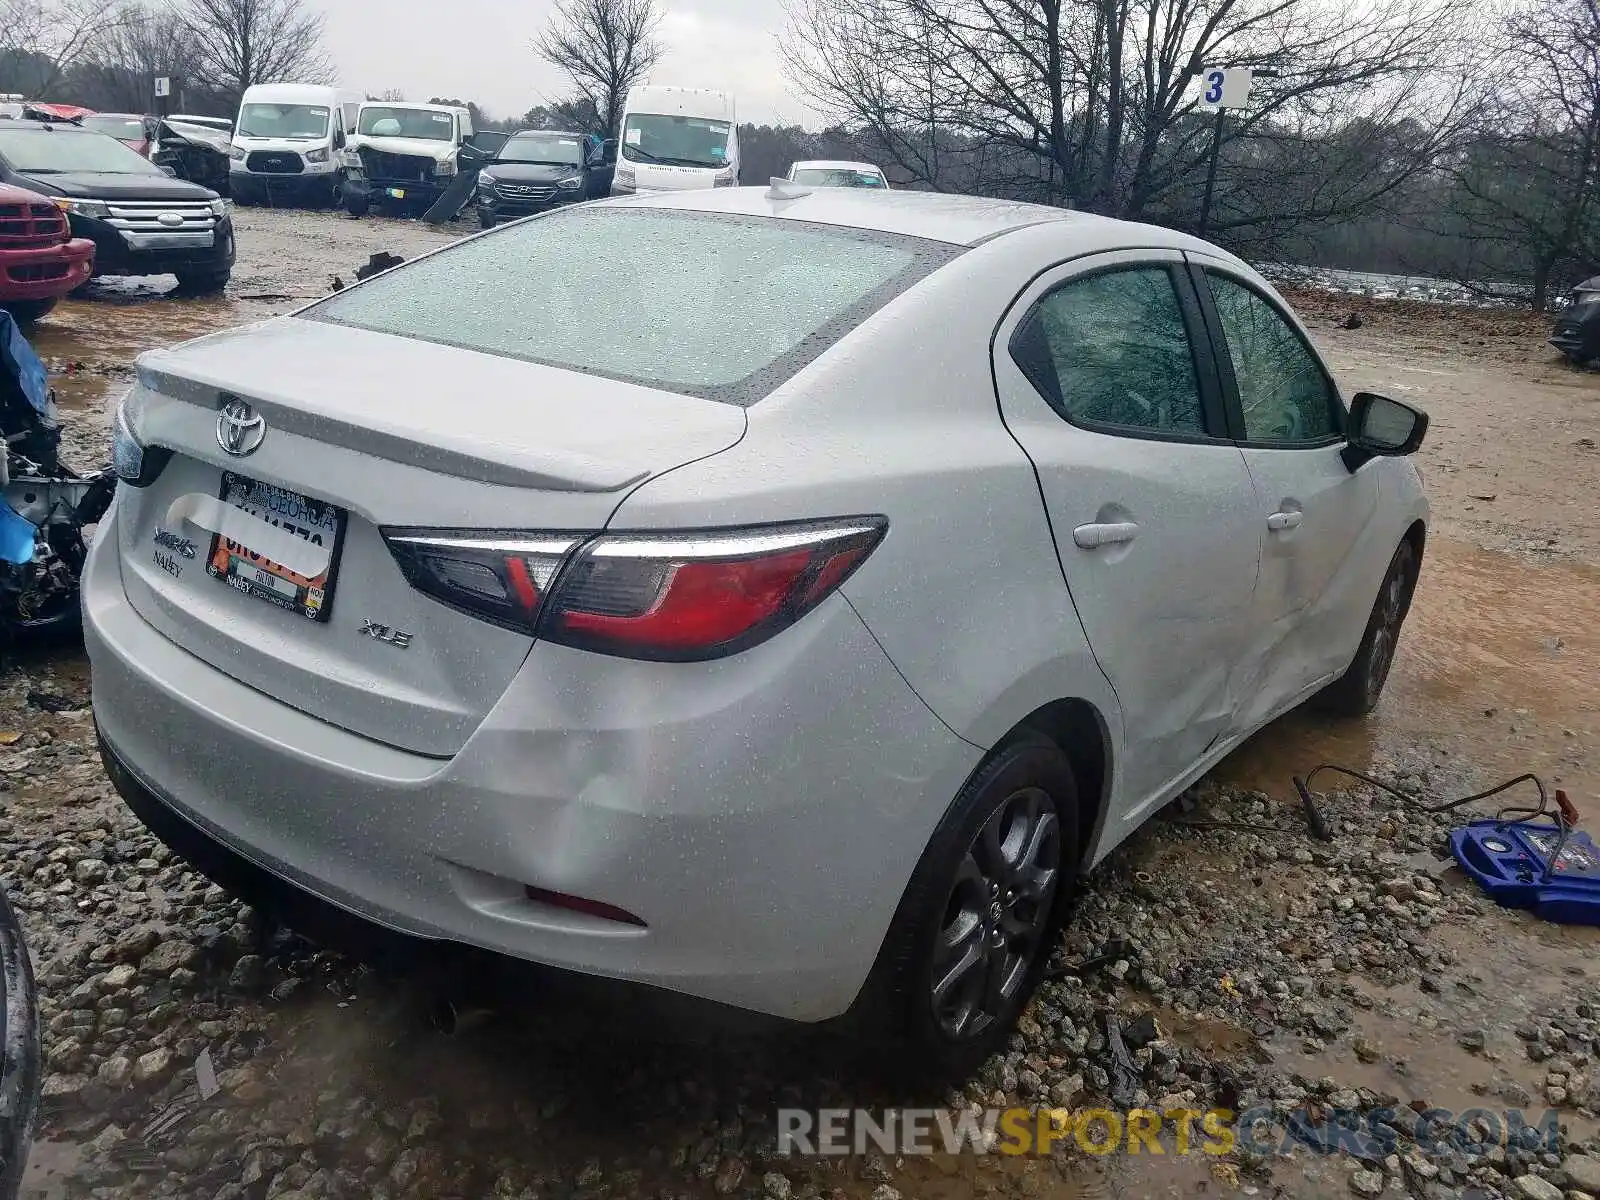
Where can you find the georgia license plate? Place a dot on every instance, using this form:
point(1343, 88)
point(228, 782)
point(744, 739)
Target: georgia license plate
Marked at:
point(398, 193)
point(318, 522)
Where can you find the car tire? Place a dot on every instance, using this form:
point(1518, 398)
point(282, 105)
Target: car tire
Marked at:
point(357, 206)
point(486, 220)
point(26, 312)
point(977, 923)
point(203, 283)
point(21, 1064)
point(1356, 692)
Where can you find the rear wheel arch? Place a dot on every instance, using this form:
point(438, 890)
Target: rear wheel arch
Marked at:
point(1080, 731)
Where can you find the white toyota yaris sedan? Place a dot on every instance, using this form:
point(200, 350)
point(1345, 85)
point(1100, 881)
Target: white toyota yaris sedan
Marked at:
point(778, 597)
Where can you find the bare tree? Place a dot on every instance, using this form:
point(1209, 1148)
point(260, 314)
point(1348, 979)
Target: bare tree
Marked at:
point(604, 47)
point(1092, 102)
point(119, 73)
point(240, 43)
point(40, 40)
point(1528, 186)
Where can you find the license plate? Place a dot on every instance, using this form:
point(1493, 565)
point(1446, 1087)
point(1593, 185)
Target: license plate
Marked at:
point(398, 193)
point(318, 522)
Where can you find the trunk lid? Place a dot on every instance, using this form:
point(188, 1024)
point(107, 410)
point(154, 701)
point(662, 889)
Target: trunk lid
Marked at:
point(391, 432)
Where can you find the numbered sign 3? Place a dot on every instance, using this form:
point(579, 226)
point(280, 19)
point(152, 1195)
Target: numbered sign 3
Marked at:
point(1225, 87)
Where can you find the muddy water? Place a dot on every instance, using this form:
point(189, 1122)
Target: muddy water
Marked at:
point(90, 344)
point(1538, 968)
point(1498, 673)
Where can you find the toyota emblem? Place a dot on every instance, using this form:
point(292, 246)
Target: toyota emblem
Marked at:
point(240, 429)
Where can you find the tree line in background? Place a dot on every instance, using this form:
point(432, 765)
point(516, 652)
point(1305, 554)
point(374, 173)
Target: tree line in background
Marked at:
point(1425, 137)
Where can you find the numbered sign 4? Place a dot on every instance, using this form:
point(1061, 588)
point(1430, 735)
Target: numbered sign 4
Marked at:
point(1225, 87)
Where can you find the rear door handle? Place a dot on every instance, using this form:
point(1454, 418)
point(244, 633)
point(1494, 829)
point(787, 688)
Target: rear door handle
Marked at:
point(1106, 533)
point(1285, 520)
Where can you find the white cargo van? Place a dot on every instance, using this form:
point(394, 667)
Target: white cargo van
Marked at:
point(286, 143)
point(675, 139)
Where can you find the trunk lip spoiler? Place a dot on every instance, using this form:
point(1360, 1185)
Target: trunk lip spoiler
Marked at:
point(567, 472)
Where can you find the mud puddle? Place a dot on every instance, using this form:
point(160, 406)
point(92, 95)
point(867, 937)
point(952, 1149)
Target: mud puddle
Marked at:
point(51, 1165)
point(1498, 673)
point(89, 344)
point(1514, 969)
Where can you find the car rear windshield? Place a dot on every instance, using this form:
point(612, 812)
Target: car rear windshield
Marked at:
point(713, 305)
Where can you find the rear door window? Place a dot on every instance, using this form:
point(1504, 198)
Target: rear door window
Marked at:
point(1111, 351)
point(711, 305)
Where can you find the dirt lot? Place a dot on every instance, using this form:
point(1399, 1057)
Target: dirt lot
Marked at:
point(1363, 974)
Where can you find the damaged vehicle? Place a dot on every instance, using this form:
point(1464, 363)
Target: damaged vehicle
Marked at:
point(40, 260)
point(141, 220)
point(46, 507)
point(1577, 329)
point(403, 155)
point(194, 151)
point(616, 664)
point(132, 130)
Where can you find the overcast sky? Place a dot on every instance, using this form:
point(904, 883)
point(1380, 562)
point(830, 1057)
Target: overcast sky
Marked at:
point(481, 50)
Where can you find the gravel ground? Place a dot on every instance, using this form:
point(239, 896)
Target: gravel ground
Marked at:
point(1239, 967)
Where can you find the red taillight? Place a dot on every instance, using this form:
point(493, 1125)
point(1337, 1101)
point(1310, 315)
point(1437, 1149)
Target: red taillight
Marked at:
point(678, 597)
point(694, 596)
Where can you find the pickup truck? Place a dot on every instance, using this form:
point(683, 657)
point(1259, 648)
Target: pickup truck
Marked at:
point(40, 260)
point(404, 156)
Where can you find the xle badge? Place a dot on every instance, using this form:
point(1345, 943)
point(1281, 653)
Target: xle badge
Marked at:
point(382, 633)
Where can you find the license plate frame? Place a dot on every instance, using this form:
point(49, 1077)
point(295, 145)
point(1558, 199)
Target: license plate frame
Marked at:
point(261, 579)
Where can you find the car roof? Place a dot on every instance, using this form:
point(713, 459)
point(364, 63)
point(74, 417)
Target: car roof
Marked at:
point(835, 164)
point(936, 216)
point(444, 108)
point(294, 93)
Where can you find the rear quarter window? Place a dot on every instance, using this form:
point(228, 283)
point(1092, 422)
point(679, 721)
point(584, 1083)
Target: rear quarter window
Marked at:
point(712, 305)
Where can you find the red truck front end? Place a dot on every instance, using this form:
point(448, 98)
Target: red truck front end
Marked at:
point(40, 260)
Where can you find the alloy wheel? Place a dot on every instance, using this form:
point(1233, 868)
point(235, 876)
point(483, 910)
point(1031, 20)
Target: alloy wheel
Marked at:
point(997, 914)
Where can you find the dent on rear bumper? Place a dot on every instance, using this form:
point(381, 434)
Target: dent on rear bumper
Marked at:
point(762, 814)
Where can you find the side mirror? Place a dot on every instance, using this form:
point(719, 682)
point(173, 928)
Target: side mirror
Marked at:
point(1382, 428)
point(473, 157)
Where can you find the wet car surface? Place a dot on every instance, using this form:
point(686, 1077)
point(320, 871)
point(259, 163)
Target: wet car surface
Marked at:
point(331, 1073)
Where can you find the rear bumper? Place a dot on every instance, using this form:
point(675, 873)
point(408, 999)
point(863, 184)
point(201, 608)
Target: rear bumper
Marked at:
point(762, 817)
point(50, 271)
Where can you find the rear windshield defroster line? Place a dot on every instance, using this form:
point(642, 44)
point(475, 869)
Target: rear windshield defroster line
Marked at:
point(720, 306)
